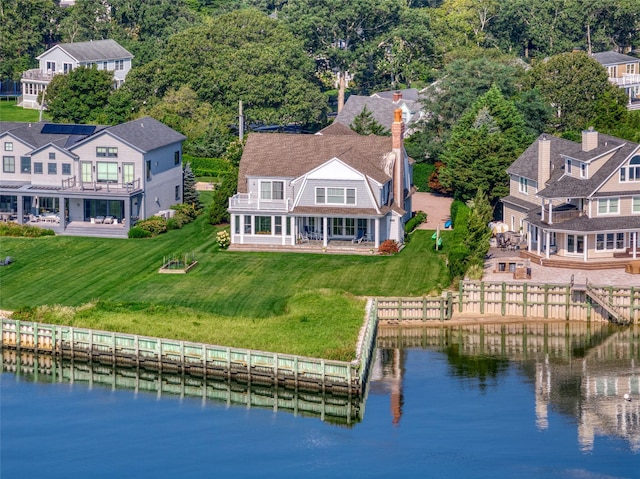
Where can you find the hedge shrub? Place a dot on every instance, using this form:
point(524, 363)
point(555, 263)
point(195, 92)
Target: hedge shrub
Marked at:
point(14, 229)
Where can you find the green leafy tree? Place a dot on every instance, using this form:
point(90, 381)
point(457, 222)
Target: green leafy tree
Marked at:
point(577, 88)
point(79, 96)
point(365, 124)
point(218, 212)
point(483, 143)
point(191, 196)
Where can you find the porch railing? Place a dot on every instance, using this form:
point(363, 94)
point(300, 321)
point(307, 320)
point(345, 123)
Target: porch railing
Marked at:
point(562, 216)
point(252, 202)
point(73, 183)
point(626, 79)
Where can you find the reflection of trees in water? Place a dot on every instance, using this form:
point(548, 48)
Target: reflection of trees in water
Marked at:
point(482, 368)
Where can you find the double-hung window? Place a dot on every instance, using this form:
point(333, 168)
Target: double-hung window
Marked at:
point(569, 166)
point(8, 164)
point(52, 168)
point(25, 164)
point(524, 185)
point(608, 206)
point(107, 171)
point(66, 169)
point(631, 172)
point(37, 168)
point(272, 190)
point(609, 241)
point(635, 204)
point(127, 173)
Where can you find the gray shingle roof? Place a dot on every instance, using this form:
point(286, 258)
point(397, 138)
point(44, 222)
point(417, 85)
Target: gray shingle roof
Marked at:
point(146, 133)
point(560, 186)
point(613, 58)
point(94, 51)
point(586, 224)
point(337, 129)
point(410, 94)
point(291, 156)
point(381, 109)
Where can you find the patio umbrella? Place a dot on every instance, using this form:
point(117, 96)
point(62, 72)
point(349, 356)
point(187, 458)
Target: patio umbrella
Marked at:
point(499, 227)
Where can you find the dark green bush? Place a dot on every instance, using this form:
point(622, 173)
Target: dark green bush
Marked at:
point(417, 219)
point(208, 166)
point(137, 232)
point(14, 229)
point(458, 256)
point(173, 224)
point(154, 225)
point(455, 207)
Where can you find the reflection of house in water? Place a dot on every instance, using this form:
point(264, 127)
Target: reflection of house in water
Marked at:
point(580, 369)
point(386, 378)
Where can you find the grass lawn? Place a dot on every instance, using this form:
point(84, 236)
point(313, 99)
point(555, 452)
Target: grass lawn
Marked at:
point(10, 112)
point(308, 304)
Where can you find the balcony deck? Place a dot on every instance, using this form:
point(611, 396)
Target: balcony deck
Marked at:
point(107, 187)
point(246, 201)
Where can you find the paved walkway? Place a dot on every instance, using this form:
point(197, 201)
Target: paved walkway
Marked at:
point(437, 207)
point(549, 275)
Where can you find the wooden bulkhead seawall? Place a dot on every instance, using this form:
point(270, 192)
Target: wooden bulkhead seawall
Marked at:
point(156, 354)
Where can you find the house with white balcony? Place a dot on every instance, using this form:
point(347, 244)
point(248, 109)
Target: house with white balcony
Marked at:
point(89, 180)
point(577, 203)
point(330, 191)
point(64, 57)
point(623, 71)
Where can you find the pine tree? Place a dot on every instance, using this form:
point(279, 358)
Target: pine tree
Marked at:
point(365, 124)
point(191, 196)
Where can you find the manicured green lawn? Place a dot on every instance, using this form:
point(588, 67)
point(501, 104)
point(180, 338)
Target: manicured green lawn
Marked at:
point(10, 112)
point(287, 302)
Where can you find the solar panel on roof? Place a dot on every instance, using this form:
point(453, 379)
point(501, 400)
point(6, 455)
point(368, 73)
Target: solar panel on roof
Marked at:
point(54, 129)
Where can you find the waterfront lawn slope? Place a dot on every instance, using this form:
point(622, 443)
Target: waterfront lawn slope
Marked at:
point(306, 304)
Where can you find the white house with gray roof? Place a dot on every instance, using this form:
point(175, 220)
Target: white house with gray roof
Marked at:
point(89, 180)
point(64, 57)
point(577, 202)
point(624, 72)
point(323, 190)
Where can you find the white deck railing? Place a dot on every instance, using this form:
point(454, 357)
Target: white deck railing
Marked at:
point(626, 80)
point(252, 202)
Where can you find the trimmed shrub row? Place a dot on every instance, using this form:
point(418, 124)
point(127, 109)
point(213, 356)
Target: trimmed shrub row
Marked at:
point(14, 229)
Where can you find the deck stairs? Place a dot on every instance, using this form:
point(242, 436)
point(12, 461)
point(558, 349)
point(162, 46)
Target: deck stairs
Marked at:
point(615, 315)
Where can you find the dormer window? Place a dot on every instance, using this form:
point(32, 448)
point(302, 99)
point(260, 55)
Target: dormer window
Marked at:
point(569, 165)
point(583, 170)
point(272, 190)
point(524, 185)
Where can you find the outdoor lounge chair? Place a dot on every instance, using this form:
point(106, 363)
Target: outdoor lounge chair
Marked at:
point(108, 220)
point(359, 237)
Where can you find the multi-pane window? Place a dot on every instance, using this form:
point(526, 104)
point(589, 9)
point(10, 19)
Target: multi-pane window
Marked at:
point(607, 206)
point(569, 166)
point(25, 164)
point(52, 168)
point(67, 67)
point(237, 225)
point(86, 172)
point(524, 185)
point(8, 146)
point(631, 68)
point(176, 158)
point(277, 223)
point(119, 64)
point(106, 171)
point(272, 190)
point(583, 170)
point(127, 173)
point(609, 241)
point(632, 172)
point(66, 168)
point(575, 244)
point(52, 155)
point(37, 168)
point(177, 192)
point(263, 224)
point(9, 164)
point(635, 204)
point(106, 152)
point(336, 196)
point(247, 224)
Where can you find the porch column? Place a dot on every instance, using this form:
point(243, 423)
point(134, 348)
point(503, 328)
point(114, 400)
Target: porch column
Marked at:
point(585, 247)
point(542, 210)
point(292, 227)
point(550, 210)
point(20, 211)
point(62, 213)
point(528, 237)
point(325, 232)
point(253, 224)
point(635, 243)
point(376, 232)
point(232, 221)
point(547, 238)
point(539, 240)
point(127, 212)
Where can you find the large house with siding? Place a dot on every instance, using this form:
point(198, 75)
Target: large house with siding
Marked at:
point(624, 72)
point(577, 202)
point(64, 57)
point(89, 180)
point(337, 187)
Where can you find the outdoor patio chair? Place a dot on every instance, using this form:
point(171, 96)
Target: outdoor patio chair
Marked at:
point(359, 237)
point(108, 220)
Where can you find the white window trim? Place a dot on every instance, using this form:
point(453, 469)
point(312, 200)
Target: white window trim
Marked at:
point(584, 170)
point(634, 211)
point(615, 240)
point(344, 195)
point(608, 212)
point(523, 185)
point(575, 253)
point(270, 182)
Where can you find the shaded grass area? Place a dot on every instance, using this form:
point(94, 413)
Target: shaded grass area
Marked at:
point(10, 112)
point(286, 302)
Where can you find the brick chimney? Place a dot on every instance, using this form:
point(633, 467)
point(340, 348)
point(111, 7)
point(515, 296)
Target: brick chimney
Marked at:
point(544, 161)
point(397, 96)
point(589, 139)
point(397, 147)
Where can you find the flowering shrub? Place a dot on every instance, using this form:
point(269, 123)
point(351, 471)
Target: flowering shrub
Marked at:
point(223, 239)
point(388, 247)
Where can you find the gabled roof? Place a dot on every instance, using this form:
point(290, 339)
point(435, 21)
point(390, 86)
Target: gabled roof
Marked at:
point(409, 94)
point(146, 134)
point(613, 58)
point(282, 155)
point(336, 128)
point(563, 186)
point(381, 106)
point(93, 51)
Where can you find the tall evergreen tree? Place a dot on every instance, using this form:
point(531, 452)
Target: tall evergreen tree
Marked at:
point(365, 124)
point(190, 194)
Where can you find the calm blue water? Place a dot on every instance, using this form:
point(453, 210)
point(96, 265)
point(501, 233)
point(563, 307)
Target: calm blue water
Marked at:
point(475, 419)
